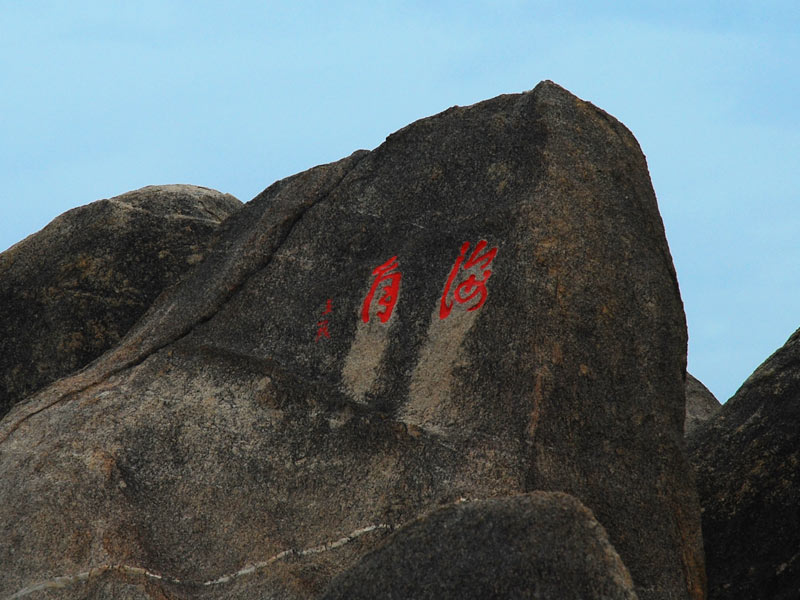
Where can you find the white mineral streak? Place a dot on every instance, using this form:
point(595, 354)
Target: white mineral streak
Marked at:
point(58, 583)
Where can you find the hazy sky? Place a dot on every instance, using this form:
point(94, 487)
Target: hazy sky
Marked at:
point(99, 98)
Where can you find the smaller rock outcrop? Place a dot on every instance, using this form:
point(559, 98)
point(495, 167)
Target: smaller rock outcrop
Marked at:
point(701, 404)
point(537, 545)
point(747, 461)
point(72, 290)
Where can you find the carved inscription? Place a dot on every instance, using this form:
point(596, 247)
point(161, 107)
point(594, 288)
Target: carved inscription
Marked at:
point(470, 288)
point(465, 285)
point(387, 280)
point(322, 324)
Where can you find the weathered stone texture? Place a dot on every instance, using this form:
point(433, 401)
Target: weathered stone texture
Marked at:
point(262, 415)
point(701, 404)
point(747, 460)
point(72, 290)
point(541, 545)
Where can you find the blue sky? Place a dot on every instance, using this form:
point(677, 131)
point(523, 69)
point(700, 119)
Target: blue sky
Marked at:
point(99, 98)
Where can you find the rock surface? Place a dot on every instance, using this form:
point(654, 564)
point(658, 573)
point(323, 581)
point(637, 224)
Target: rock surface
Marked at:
point(542, 545)
point(701, 404)
point(747, 460)
point(72, 290)
point(482, 306)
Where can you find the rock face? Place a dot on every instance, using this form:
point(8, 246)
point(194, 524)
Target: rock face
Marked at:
point(542, 545)
point(747, 460)
point(71, 291)
point(701, 404)
point(483, 306)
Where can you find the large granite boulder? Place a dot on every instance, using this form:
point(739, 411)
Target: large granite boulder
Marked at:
point(482, 306)
point(747, 460)
point(541, 545)
point(701, 404)
point(72, 290)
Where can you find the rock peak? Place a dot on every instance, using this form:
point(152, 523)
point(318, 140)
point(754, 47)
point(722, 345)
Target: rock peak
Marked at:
point(482, 307)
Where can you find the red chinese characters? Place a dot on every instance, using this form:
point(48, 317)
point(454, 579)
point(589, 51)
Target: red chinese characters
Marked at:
point(473, 288)
point(465, 285)
point(387, 280)
point(322, 324)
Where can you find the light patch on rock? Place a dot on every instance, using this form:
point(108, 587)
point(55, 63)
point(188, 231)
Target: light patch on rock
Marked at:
point(433, 378)
point(362, 365)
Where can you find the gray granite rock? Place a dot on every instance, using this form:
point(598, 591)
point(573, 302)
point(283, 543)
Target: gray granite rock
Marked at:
point(747, 461)
point(483, 306)
point(72, 290)
point(701, 404)
point(538, 545)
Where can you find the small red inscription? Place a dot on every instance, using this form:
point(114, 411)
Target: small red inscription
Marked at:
point(472, 287)
point(387, 278)
point(322, 324)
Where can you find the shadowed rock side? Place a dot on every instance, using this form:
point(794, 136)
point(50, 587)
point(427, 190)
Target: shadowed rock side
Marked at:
point(701, 404)
point(72, 290)
point(542, 545)
point(747, 460)
point(482, 306)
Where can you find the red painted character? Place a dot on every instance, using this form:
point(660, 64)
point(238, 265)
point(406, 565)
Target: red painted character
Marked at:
point(322, 325)
point(388, 278)
point(322, 330)
point(471, 287)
